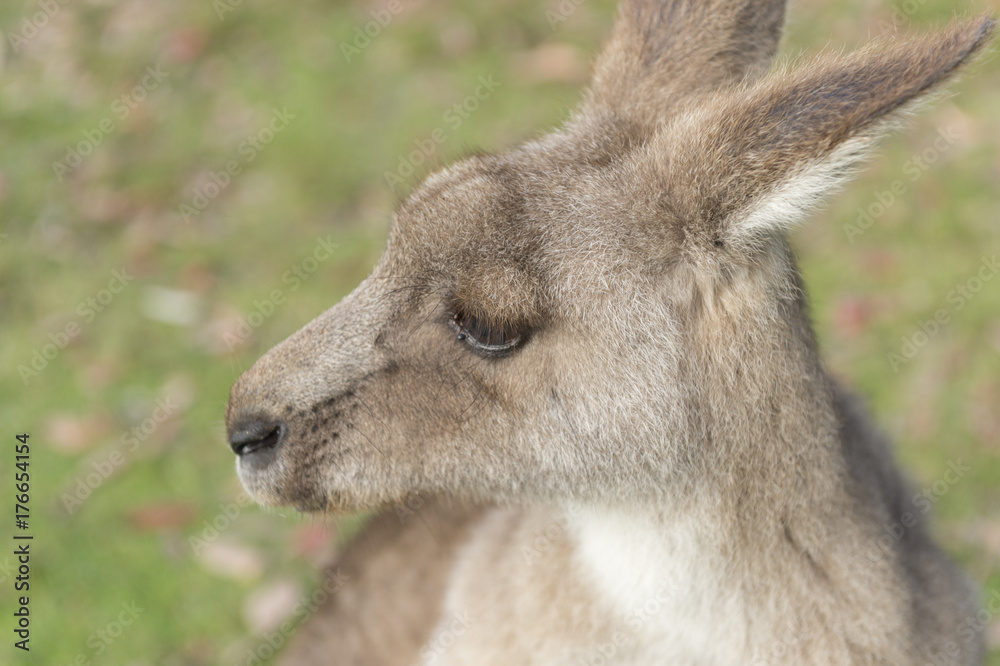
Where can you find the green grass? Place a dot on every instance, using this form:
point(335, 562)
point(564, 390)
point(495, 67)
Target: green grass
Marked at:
point(324, 175)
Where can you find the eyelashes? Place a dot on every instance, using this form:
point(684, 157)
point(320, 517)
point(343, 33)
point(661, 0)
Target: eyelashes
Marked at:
point(484, 337)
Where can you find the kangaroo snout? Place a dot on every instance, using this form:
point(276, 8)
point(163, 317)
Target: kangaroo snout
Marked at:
point(302, 417)
point(284, 429)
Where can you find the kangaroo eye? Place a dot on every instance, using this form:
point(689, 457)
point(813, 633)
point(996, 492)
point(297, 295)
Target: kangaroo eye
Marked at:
point(483, 337)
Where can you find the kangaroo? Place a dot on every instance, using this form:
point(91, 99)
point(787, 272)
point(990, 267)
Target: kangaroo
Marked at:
point(586, 369)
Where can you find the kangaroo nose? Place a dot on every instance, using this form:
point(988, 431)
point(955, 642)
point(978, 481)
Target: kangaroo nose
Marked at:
point(248, 437)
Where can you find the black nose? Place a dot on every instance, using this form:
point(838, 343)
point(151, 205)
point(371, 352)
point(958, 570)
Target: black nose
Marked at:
point(251, 436)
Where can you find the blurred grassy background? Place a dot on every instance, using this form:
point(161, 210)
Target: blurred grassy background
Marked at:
point(126, 489)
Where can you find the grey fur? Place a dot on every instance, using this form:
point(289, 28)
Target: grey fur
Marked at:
point(665, 429)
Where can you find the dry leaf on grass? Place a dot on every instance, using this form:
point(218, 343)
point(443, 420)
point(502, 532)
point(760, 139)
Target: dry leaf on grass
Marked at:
point(229, 559)
point(316, 542)
point(161, 516)
point(851, 316)
point(551, 63)
point(69, 433)
point(269, 605)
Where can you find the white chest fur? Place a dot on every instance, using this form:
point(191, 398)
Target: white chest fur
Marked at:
point(667, 581)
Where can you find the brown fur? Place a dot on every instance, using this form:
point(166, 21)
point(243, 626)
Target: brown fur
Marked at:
point(393, 579)
point(665, 422)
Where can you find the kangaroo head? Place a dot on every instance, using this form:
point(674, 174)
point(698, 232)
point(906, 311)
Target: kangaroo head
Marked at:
point(610, 311)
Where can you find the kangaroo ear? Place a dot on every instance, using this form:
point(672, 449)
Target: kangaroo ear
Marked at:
point(661, 50)
point(754, 160)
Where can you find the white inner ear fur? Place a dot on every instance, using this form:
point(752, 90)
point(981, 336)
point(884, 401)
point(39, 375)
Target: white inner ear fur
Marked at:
point(801, 192)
